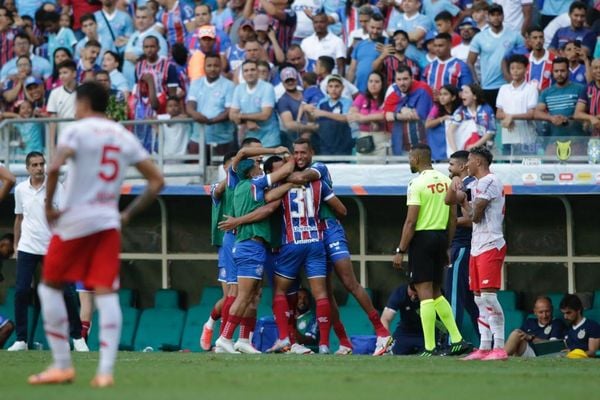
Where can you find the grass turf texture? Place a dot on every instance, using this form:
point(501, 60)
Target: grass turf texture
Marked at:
point(172, 376)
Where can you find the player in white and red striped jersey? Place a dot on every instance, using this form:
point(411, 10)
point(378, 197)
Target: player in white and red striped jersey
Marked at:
point(488, 250)
point(86, 232)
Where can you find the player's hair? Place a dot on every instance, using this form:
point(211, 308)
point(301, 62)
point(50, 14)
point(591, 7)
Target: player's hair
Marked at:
point(444, 36)
point(87, 17)
point(443, 16)
point(532, 29)
point(95, 94)
point(32, 154)
point(327, 62)
point(577, 5)
point(571, 301)
point(301, 141)
point(483, 152)
point(404, 68)
point(543, 298)
point(462, 155)
point(69, 64)
point(93, 43)
point(376, 17)
point(228, 156)
point(268, 165)
point(519, 59)
point(422, 148)
point(561, 60)
point(249, 140)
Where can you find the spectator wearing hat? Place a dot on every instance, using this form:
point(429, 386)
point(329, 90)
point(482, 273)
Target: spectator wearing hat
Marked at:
point(207, 35)
point(334, 136)
point(202, 17)
point(289, 106)
point(467, 28)
point(236, 53)
point(429, 45)
point(40, 67)
point(14, 87)
point(114, 23)
point(252, 107)
point(209, 102)
point(324, 43)
point(36, 94)
point(134, 48)
point(491, 46)
point(266, 37)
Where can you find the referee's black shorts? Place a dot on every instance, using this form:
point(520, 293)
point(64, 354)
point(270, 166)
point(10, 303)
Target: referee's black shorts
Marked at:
point(427, 256)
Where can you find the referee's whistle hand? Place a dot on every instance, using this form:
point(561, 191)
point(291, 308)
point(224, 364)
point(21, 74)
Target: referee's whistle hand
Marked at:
point(397, 262)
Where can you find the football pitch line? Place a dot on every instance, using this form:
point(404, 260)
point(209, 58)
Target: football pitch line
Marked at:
point(171, 376)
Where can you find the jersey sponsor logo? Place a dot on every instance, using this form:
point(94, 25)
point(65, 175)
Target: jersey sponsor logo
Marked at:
point(581, 334)
point(438, 187)
point(334, 245)
point(548, 177)
point(529, 179)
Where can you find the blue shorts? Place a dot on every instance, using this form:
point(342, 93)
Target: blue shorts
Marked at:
point(335, 241)
point(270, 273)
point(222, 271)
point(250, 258)
point(3, 320)
point(227, 258)
point(293, 256)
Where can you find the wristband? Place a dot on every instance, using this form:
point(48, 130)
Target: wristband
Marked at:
point(398, 251)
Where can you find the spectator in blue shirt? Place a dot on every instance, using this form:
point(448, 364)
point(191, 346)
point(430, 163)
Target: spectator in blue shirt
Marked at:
point(114, 23)
point(89, 27)
point(252, 107)
point(366, 52)
point(411, 21)
point(576, 31)
point(40, 67)
point(540, 329)
point(583, 333)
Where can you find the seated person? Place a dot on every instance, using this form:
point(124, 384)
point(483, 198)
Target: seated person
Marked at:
point(582, 333)
point(408, 336)
point(307, 332)
point(535, 330)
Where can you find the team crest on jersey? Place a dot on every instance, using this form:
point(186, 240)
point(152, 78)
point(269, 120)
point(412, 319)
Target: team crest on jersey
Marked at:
point(302, 324)
point(581, 334)
point(547, 330)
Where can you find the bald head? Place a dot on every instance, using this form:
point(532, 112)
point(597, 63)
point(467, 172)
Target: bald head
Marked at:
point(543, 310)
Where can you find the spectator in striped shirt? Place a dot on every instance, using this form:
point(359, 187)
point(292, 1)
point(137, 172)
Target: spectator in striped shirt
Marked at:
point(588, 104)
point(176, 16)
point(539, 70)
point(7, 35)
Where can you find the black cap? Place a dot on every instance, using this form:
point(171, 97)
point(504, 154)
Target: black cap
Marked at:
point(495, 8)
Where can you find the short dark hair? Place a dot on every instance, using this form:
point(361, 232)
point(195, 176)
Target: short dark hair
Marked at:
point(26, 57)
point(519, 59)
point(310, 78)
point(249, 140)
point(536, 28)
point(51, 16)
point(268, 165)
point(263, 63)
point(401, 32)
point(444, 36)
point(87, 17)
point(561, 60)
point(422, 148)
point(577, 5)
point(69, 64)
point(211, 55)
point(301, 141)
point(404, 68)
point(22, 35)
point(571, 301)
point(228, 156)
point(9, 13)
point(246, 62)
point(460, 155)
point(152, 37)
point(93, 43)
point(327, 62)
point(320, 13)
point(115, 55)
point(180, 53)
point(95, 94)
point(443, 16)
point(377, 17)
point(482, 152)
point(32, 154)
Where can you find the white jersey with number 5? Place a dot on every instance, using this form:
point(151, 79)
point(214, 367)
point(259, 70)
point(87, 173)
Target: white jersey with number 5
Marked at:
point(103, 150)
point(487, 233)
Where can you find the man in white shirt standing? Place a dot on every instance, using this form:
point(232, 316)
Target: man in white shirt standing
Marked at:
point(324, 43)
point(32, 236)
point(517, 14)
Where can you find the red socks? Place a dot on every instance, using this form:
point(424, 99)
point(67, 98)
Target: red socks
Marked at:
point(215, 314)
point(232, 323)
point(340, 332)
point(247, 327)
point(376, 321)
point(281, 312)
point(85, 329)
point(225, 312)
point(324, 320)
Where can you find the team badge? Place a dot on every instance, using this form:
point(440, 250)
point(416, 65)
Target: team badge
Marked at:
point(547, 330)
point(581, 334)
point(302, 324)
point(563, 150)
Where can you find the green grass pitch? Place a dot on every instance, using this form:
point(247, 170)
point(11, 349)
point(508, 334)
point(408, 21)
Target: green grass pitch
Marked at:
point(171, 376)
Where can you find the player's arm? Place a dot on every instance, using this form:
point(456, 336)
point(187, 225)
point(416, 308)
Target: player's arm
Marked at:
point(337, 207)
point(455, 193)
point(408, 231)
point(387, 316)
point(247, 152)
point(220, 189)
point(63, 153)
point(155, 184)
point(593, 346)
point(263, 212)
point(17, 230)
point(303, 177)
point(278, 192)
point(8, 181)
point(476, 212)
point(283, 172)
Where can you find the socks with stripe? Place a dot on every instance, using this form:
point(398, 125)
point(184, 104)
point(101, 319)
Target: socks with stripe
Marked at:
point(247, 327)
point(109, 333)
point(281, 313)
point(428, 323)
point(496, 318)
point(56, 325)
point(483, 325)
point(324, 320)
point(232, 323)
point(86, 326)
point(444, 311)
point(225, 311)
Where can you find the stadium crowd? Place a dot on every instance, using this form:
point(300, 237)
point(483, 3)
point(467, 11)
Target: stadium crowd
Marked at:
point(355, 77)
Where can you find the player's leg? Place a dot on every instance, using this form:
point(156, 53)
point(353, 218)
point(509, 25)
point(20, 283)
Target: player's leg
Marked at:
point(215, 314)
point(246, 291)
point(248, 322)
point(316, 272)
point(103, 277)
point(26, 264)
point(76, 326)
point(65, 261)
point(6, 329)
point(452, 281)
point(464, 292)
point(491, 273)
point(338, 326)
point(483, 324)
point(231, 276)
point(515, 345)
